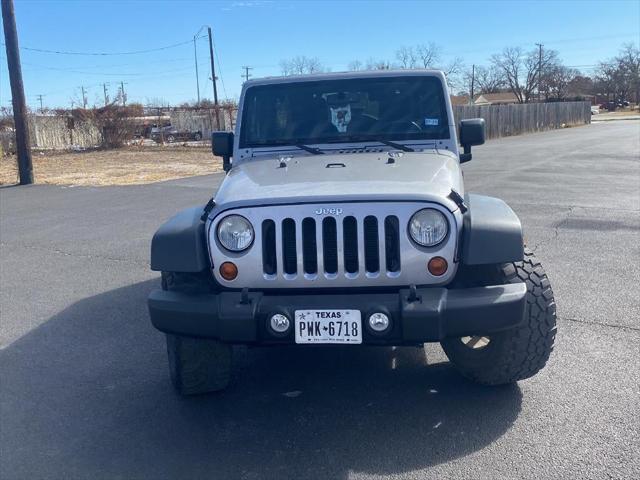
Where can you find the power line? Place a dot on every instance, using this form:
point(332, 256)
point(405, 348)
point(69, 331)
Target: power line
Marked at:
point(137, 64)
point(117, 74)
point(104, 54)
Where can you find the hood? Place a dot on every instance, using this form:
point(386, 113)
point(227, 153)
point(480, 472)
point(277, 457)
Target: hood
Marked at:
point(379, 176)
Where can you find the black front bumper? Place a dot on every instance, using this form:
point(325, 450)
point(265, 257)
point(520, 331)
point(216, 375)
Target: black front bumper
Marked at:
point(432, 314)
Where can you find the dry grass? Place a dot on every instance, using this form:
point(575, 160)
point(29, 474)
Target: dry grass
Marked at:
point(127, 166)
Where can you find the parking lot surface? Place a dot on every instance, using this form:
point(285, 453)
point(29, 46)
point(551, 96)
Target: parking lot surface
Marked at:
point(84, 383)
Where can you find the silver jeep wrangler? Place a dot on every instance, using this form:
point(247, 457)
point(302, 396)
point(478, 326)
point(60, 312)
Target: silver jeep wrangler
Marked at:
point(343, 220)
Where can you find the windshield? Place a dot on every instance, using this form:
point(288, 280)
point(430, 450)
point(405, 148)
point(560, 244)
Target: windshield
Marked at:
point(333, 111)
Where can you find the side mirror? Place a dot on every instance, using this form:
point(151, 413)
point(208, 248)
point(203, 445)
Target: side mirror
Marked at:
point(471, 133)
point(222, 146)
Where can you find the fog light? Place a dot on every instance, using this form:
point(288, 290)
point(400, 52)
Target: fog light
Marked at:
point(228, 271)
point(379, 322)
point(437, 266)
point(279, 323)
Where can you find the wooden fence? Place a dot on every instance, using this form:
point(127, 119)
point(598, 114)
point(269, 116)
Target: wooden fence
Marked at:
point(506, 120)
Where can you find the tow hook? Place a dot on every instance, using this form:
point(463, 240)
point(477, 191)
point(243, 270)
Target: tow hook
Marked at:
point(244, 297)
point(413, 295)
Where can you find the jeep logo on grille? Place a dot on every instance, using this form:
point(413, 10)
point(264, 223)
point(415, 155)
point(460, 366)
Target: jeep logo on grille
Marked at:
point(328, 211)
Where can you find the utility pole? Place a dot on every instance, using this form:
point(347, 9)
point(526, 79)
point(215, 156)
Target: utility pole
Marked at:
point(540, 45)
point(106, 96)
point(23, 147)
point(40, 96)
point(123, 96)
point(84, 98)
point(213, 79)
point(195, 57)
point(473, 79)
point(246, 73)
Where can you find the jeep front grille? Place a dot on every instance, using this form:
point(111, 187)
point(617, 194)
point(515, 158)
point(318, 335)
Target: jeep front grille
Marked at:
point(356, 248)
point(365, 244)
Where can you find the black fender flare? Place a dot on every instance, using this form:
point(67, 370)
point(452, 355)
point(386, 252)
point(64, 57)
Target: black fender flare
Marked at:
point(180, 244)
point(492, 232)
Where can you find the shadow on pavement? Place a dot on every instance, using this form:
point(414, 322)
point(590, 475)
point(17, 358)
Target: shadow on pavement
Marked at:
point(87, 395)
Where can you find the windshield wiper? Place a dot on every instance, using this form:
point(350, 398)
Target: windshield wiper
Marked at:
point(306, 148)
point(397, 146)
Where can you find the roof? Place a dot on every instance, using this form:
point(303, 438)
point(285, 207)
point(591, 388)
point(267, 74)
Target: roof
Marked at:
point(345, 75)
point(459, 100)
point(491, 98)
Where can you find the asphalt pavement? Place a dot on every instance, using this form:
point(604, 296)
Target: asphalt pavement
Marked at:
point(84, 388)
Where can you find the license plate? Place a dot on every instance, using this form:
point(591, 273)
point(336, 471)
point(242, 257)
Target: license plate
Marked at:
point(328, 326)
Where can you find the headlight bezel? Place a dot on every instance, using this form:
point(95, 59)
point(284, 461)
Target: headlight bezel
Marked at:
point(226, 247)
point(444, 218)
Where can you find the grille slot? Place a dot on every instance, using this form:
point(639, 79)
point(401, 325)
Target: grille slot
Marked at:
point(350, 242)
point(289, 253)
point(371, 244)
point(309, 246)
point(330, 245)
point(269, 260)
point(392, 243)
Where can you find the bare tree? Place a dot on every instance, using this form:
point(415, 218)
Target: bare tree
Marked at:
point(373, 64)
point(509, 62)
point(407, 57)
point(453, 71)
point(301, 65)
point(116, 123)
point(486, 80)
point(355, 65)
point(580, 85)
point(605, 79)
point(428, 54)
point(628, 63)
point(522, 71)
point(314, 65)
point(555, 81)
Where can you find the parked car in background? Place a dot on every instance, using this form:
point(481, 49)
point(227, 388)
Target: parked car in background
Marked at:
point(610, 106)
point(171, 134)
point(595, 110)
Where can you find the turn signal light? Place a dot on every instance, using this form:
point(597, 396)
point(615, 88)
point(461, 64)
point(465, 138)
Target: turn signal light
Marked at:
point(228, 271)
point(437, 266)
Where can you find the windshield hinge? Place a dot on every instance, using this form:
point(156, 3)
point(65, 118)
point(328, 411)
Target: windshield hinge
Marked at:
point(457, 198)
point(207, 208)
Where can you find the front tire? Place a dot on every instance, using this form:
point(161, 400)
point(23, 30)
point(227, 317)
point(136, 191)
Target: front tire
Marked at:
point(518, 353)
point(196, 365)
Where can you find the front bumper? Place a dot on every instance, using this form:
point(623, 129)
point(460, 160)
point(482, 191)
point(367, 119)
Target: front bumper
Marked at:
point(431, 315)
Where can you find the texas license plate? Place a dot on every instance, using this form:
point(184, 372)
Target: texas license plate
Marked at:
point(328, 326)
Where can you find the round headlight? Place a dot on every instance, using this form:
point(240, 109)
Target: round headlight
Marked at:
point(235, 233)
point(428, 227)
